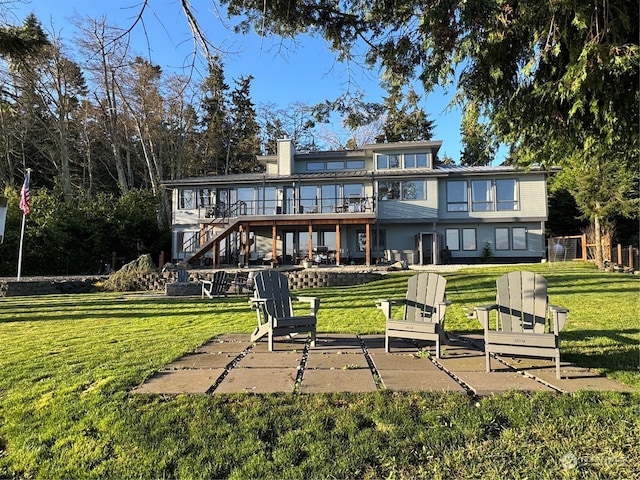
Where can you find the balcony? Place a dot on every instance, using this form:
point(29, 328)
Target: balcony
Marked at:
point(346, 206)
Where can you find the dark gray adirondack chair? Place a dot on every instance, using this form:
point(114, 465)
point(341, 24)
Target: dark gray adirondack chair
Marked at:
point(424, 309)
point(526, 325)
point(274, 308)
point(218, 286)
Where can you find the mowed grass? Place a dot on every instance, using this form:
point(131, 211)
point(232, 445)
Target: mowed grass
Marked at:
point(68, 364)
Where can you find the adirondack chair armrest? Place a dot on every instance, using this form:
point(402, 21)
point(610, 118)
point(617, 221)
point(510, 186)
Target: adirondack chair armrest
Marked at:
point(482, 314)
point(559, 317)
point(314, 303)
point(441, 310)
point(256, 302)
point(385, 304)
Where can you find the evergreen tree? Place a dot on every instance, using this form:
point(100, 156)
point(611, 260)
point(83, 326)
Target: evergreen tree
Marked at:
point(244, 137)
point(405, 120)
point(215, 137)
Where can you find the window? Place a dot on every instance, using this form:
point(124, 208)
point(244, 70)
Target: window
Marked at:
point(502, 239)
point(457, 196)
point(519, 238)
point(507, 194)
point(388, 161)
point(481, 198)
point(329, 198)
point(415, 160)
point(334, 165)
point(267, 201)
point(413, 190)
point(246, 195)
point(185, 199)
point(308, 199)
point(355, 164)
point(388, 190)
point(452, 238)
point(205, 197)
point(187, 241)
point(315, 166)
point(469, 239)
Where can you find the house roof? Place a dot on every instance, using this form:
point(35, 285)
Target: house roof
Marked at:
point(258, 178)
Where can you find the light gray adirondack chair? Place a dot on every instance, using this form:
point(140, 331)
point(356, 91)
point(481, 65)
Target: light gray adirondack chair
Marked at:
point(526, 325)
point(274, 308)
point(424, 309)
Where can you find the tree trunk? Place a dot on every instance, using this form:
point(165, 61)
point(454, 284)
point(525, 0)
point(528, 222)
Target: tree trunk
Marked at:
point(598, 240)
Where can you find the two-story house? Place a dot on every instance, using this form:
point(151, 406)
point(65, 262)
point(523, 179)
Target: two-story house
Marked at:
point(384, 201)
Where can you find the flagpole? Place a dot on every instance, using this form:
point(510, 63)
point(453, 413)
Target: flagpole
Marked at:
point(24, 206)
point(24, 217)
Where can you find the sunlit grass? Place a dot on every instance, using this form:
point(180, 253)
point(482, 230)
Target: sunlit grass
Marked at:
point(69, 362)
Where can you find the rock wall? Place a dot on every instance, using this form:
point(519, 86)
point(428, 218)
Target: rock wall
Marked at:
point(167, 282)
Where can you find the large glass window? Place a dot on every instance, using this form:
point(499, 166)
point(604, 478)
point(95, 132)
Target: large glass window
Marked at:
point(415, 160)
point(247, 195)
point(205, 197)
point(502, 238)
point(469, 239)
point(481, 197)
point(388, 190)
point(187, 241)
point(388, 161)
point(457, 196)
point(355, 164)
point(507, 194)
point(267, 200)
point(185, 199)
point(452, 238)
point(519, 238)
point(413, 190)
point(329, 198)
point(308, 199)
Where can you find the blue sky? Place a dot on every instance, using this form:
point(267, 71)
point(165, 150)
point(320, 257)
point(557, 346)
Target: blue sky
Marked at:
point(305, 72)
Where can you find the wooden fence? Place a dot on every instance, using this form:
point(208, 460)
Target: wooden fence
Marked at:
point(576, 247)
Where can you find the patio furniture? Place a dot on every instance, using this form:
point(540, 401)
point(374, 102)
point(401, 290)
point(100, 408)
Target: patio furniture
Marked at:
point(218, 286)
point(272, 302)
point(526, 325)
point(424, 309)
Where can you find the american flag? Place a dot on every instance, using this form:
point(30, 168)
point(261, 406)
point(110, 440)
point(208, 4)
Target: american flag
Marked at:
point(25, 197)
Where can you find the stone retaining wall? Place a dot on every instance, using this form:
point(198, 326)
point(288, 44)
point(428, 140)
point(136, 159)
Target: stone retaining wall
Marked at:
point(158, 281)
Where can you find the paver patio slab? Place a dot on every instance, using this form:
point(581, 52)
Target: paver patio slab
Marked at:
point(576, 378)
point(337, 342)
point(282, 344)
point(323, 380)
point(218, 346)
point(399, 361)
point(258, 380)
point(483, 383)
point(375, 344)
point(181, 381)
point(470, 363)
point(203, 360)
point(328, 360)
point(289, 359)
point(416, 380)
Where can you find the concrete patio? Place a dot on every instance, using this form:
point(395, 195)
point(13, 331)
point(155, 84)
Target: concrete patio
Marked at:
point(354, 363)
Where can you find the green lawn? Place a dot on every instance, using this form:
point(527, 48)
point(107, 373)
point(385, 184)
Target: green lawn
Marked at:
point(69, 362)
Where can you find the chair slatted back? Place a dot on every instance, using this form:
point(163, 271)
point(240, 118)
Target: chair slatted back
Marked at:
point(275, 286)
point(424, 292)
point(522, 302)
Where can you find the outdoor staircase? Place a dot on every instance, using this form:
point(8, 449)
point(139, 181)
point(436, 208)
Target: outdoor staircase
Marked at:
point(206, 239)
